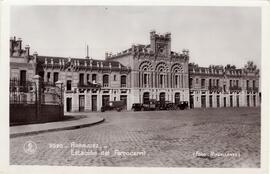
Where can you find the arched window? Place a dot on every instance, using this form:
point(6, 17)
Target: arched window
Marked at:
point(123, 81)
point(105, 80)
point(176, 81)
point(177, 70)
point(145, 80)
point(161, 79)
point(145, 71)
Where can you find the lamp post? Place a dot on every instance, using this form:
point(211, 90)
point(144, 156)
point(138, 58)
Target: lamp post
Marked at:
point(60, 85)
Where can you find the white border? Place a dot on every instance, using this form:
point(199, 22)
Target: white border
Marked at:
point(4, 79)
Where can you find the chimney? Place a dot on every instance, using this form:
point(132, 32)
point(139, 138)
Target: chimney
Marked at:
point(35, 54)
point(133, 48)
point(11, 45)
point(152, 33)
point(185, 52)
point(27, 50)
point(19, 42)
point(106, 55)
point(168, 35)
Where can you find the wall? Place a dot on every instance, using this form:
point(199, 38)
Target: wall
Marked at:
point(20, 113)
point(28, 113)
point(51, 113)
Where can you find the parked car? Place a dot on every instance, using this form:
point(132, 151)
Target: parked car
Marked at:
point(170, 106)
point(157, 105)
point(183, 105)
point(166, 105)
point(113, 105)
point(149, 106)
point(136, 107)
point(160, 105)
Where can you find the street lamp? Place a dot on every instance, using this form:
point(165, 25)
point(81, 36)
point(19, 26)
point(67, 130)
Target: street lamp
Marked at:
point(60, 85)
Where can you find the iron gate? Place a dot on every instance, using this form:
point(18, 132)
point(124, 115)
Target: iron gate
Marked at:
point(22, 92)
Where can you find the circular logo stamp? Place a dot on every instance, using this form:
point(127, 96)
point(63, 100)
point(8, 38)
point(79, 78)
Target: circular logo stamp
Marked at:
point(30, 147)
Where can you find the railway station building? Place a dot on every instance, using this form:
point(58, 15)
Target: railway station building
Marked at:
point(139, 74)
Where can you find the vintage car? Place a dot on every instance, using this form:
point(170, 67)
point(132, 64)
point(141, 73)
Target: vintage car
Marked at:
point(113, 105)
point(136, 107)
point(160, 105)
point(152, 105)
point(149, 106)
point(165, 105)
point(183, 105)
point(170, 106)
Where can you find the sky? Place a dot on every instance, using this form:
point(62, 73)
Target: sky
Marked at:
point(214, 35)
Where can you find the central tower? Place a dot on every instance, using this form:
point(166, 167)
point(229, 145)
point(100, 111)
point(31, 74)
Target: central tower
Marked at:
point(160, 44)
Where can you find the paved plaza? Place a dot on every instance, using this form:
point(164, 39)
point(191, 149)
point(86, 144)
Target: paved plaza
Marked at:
point(224, 137)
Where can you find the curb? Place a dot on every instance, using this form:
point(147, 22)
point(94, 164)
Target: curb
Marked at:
point(56, 129)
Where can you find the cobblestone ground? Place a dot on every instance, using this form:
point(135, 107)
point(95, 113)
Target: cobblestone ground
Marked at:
point(161, 139)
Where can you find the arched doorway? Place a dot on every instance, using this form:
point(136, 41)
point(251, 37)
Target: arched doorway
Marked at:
point(162, 98)
point(145, 97)
point(177, 98)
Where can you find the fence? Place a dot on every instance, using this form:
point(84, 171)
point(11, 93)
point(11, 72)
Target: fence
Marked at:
point(35, 101)
point(22, 92)
point(51, 93)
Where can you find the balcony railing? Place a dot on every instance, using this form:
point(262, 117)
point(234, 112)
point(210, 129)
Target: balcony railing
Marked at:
point(252, 89)
point(89, 85)
point(123, 85)
point(235, 88)
point(105, 84)
point(215, 88)
point(69, 91)
point(203, 87)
